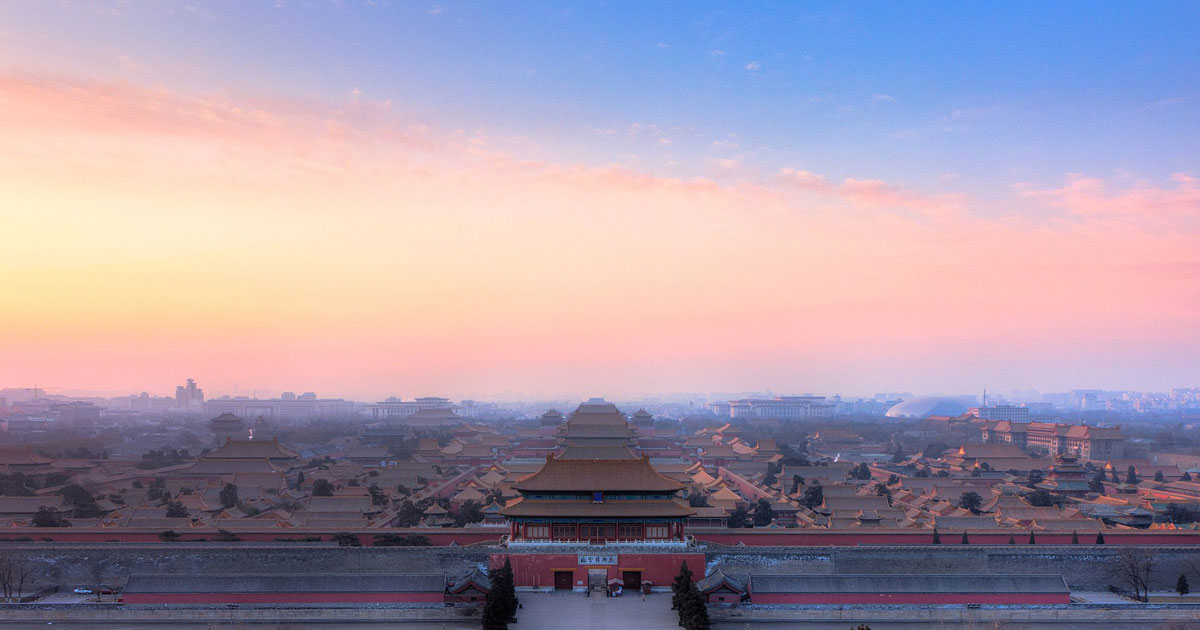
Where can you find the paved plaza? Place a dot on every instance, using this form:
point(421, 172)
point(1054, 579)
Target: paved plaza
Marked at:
point(577, 611)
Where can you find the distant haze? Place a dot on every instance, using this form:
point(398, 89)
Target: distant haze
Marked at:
point(392, 201)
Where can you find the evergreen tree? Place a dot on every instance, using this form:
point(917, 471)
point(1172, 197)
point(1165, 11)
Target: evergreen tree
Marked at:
point(1131, 476)
point(1012, 540)
point(937, 539)
point(1187, 476)
point(1099, 538)
point(694, 614)
point(739, 518)
point(1031, 540)
point(1181, 585)
point(763, 514)
point(814, 496)
point(229, 496)
point(797, 480)
point(494, 617)
point(679, 589)
point(509, 590)
point(1074, 538)
point(1158, 476)
point(964, 538)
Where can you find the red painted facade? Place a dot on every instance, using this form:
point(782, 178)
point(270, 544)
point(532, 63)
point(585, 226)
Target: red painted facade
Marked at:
point(910, 598)
point(537, 570)
point(283, 598)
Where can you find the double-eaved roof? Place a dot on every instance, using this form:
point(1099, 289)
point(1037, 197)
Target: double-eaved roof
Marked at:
point(597, 475)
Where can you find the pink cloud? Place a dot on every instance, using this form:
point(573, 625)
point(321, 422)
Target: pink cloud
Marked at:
point(496, 268)
point(872, 193)
point(1092, 197)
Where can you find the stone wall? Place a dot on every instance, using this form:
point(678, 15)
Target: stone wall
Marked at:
point(1085, 567)
point(109, 565)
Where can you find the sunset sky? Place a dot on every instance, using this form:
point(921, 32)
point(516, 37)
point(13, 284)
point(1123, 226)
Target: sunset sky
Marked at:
point(379, 198)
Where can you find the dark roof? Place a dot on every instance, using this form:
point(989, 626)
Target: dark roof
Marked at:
point(21, 456)
point(593, 475)
point(908, 583)
point(286, 583)
point(718, 578)
point(476, 578)
point(251, 449)
point(597, 452)
point(658, 508)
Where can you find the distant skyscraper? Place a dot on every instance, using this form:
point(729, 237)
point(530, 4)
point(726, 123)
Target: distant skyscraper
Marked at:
point(189, 396)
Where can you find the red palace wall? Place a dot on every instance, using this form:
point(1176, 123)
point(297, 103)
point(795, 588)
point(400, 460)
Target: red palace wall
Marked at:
point(823, 538)
point(910, 598)
point(283, 598)
point(537, 569)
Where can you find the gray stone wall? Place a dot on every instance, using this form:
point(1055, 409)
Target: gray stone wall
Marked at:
point(1085, 567)
point(110, 564)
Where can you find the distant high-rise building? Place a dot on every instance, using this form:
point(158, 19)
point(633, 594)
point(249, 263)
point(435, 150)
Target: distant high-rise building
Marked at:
point(781, 408)
point(1012, 413)
point(189, 396)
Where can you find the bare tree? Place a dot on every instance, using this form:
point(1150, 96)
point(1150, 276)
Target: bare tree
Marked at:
point(1134, 567)
point(1192, 566)
point(14, 572)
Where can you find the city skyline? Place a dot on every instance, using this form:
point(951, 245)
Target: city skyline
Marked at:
point(429, 198)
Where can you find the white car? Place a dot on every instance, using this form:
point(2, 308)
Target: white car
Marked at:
point(83, 591)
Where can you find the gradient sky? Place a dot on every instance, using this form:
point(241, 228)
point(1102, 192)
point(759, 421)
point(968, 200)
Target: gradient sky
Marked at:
point(384, 198)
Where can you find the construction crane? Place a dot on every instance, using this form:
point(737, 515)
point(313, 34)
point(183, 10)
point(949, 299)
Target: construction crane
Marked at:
point(38, 392)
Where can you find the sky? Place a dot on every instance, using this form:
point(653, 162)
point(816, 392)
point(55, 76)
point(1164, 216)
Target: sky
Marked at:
point(370, 199)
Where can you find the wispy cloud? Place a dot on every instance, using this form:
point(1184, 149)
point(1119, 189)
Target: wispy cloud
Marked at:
point(881, 97)
point(872, 193)
point(753, 65)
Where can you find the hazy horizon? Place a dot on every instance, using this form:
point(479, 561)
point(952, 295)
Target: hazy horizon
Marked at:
point(453, 199)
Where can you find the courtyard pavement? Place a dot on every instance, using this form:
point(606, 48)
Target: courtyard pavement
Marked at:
point(579, 612)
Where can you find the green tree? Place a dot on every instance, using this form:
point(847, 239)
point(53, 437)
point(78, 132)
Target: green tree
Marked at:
point(1035, 477)
point(763, 514)
point(494, 616)
point(1096, 485)
point(1032, 540)
point(679, 587)
point(346, 539)
point(937, 538)
point(175, 509)
point(229, 496)
point(739, 518)
point(322, 488)
point(1074, 538)
point(1040, 498)
point(1131, 476)
point(970, 501)
point(1187, 476)
point(1158, 476)
point(813, 496)
point(508, 590)
point(1099, 538)
point(469, 513)
point(965, 541)
point(409, 515)
point(694, 613)
point(48, 517)
point(797, 481)
point(168, 536)
point(1181, 585)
